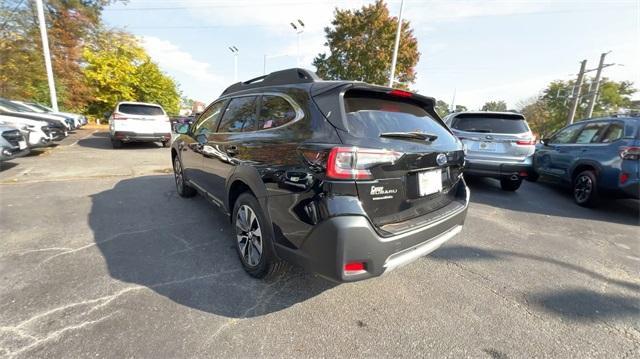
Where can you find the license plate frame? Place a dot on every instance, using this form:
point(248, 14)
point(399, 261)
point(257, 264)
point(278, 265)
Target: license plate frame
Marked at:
point(487, 146)
point(429, 182)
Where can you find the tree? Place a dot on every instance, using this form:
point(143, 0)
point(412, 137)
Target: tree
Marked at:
point(361, 44)
point(460, 108)
point(118, 69)
point(494, 106)
point(442, 108)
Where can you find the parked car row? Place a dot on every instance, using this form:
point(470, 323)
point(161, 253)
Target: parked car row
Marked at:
point(595, 158)
point(28, 125)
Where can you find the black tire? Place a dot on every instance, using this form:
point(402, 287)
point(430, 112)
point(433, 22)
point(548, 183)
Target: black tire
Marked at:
point(165, 143)
point(183, 189)
point(267, 265)
point(508, 184)
point(116, 143)
point(585, 189)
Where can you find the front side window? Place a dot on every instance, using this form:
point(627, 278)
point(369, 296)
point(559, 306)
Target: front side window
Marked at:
point(239, 111)
point(591, 133)
point(566, 135)
point(208, 120)
point(274, 112)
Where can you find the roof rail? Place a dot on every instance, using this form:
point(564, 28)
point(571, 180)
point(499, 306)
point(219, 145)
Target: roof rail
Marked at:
point(283, 77)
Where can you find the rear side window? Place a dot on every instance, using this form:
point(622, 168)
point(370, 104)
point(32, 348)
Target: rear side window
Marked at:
point(614, 132)
point(239, 111)
point(591, 133)
point(372, 116)
point(487, 124)
point(275, 111)
point(136, 109)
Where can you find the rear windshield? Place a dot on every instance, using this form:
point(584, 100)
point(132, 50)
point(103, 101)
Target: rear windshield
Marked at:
point(490, 124)
point(369, 117)
point(133, 109)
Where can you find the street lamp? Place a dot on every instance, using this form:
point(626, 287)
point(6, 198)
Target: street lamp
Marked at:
point(299, 29)
point(235, 52)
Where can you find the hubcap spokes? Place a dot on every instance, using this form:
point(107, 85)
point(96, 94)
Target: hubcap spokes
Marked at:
point(249, 236)
point(178, 173)
point(583, 188)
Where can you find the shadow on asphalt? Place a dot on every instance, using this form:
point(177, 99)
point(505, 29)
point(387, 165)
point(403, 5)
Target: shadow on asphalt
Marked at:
point(558, 202)
point(183, 249)
point(100, 140)
point(576, 304)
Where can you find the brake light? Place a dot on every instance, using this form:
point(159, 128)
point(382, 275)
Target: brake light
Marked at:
point(400, 93)
point(354, 268)
point(528, 142)
point(624, 177)
point(118, 116)
point(354, 162)
point(630, 153)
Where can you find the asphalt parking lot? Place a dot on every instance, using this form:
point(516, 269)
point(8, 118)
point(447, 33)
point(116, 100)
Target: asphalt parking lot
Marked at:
point(99, 257)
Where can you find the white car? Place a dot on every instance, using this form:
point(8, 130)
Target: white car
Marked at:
point(78, 119)
point(9, 108)
point(35, 132)
point(139, 122)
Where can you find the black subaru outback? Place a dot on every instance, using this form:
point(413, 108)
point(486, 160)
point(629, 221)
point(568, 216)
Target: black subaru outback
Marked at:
point(346, 179)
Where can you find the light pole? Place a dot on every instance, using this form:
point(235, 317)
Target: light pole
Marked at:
point(299, 29)
point(235, 52)
point(395, 47)
point(47, 56)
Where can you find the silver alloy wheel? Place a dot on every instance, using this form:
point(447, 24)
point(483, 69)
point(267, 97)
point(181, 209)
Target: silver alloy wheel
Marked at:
point(249, 235)
point(582, 189)
point(177, 172)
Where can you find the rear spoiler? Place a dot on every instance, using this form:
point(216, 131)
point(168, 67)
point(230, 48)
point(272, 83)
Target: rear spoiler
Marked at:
point(329, 97)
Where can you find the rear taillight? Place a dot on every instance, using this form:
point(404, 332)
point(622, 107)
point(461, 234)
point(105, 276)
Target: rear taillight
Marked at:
point(354, 162)
point(527, 142)
point(118, 116)
point(630, 153)
point(624, 177)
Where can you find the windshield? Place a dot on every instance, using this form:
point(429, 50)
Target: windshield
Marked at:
point(490, 124)
point(370, 117)
point(135, 109)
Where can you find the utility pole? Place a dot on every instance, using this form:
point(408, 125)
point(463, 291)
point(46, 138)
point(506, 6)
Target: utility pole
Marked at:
point(395, 47)
point(576, 92)
point(596, 86)
point(235, 52)
point(47, 55)
point(299, 29)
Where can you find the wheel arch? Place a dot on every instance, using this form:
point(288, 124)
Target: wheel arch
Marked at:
point(245, 179)
point(584, 166)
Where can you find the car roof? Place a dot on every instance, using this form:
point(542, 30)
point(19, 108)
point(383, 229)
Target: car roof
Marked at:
point(499, 113)
point(610, 118)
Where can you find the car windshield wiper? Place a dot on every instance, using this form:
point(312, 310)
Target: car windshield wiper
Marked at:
point(410, 136)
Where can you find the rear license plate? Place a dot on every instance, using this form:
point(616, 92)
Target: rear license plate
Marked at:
point(487, 146)
point(22, 144)
point(430, 182)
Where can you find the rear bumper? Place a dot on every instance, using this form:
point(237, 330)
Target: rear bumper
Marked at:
point(631, 189)
point(9, 153)
point(498, 170)
point(347, 239)
point(141, 137)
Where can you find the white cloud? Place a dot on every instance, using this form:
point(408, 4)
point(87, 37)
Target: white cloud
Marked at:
point(172, 59)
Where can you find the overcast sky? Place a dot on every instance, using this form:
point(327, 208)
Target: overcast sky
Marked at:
point(479, 50)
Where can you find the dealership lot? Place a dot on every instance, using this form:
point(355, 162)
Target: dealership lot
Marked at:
point(100, 257)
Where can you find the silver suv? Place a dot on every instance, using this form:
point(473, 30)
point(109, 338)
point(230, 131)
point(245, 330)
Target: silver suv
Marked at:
point(497, 144)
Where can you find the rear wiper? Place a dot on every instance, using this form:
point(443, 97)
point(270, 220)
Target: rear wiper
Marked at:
point(410, 136)
point(481, 130)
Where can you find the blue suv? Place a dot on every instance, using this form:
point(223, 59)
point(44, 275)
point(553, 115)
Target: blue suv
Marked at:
point(596, 157)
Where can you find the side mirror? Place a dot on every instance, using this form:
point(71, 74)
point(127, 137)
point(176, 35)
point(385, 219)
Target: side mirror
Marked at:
point(182, 128)
point(107, 115)
point(544, 141)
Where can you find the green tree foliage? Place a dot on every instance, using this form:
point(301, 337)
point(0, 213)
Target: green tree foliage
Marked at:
point(549, 112)
point(442, 108)
point(361, 45)
point(495, 106)
point(118, 69)
point(461, 108)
